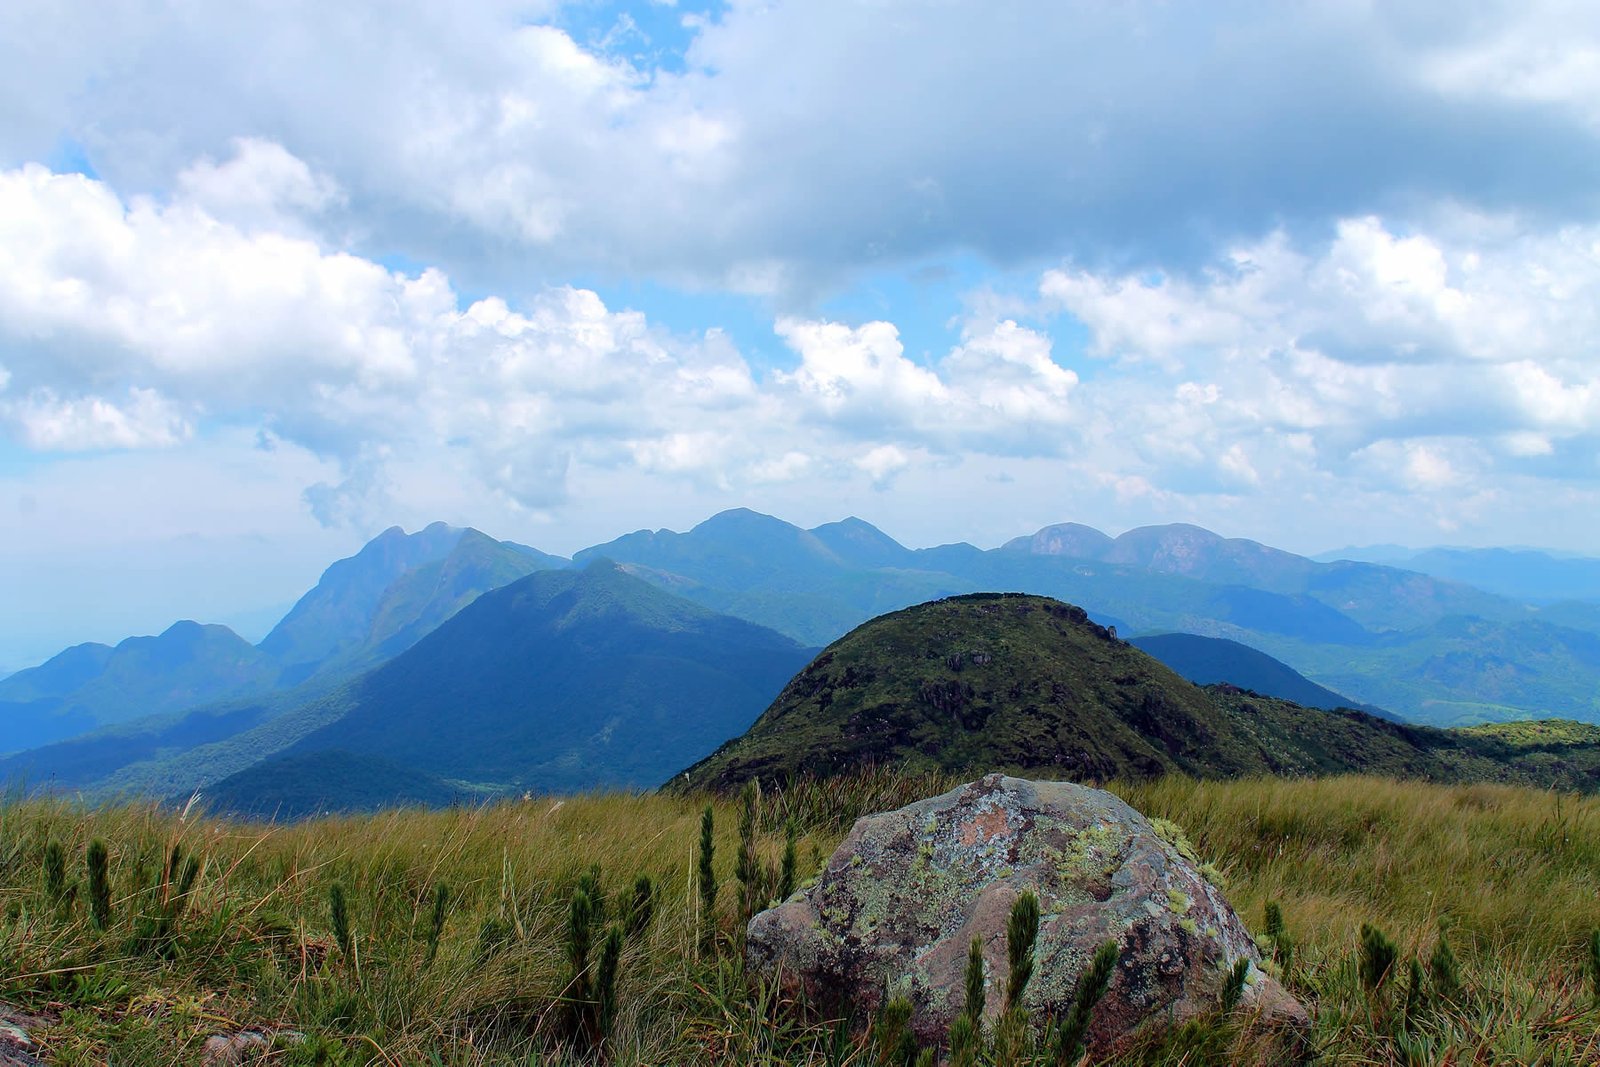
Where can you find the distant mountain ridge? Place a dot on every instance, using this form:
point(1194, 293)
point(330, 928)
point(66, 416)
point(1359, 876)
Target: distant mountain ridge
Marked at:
point(570, 679)
point(1519, 573)
point(365, 609)
point(94, 685)
point(1428, 648)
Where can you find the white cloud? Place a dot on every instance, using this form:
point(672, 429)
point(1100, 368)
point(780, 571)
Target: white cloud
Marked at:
point(802, 141)
point(261, 186)
point(883, 462)
point(1478, 327)
point(48, 423)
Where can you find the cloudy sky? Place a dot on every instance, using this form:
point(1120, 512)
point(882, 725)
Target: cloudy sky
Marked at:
point(276, 275)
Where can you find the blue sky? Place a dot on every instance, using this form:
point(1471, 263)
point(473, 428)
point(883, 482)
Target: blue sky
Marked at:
point(274, 276)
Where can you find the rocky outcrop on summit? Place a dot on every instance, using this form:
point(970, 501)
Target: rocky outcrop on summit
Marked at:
point(902, 898)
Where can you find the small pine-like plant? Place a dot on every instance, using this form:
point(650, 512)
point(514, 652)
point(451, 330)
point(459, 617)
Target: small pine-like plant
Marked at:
point(55, 874)
point(1233, 986)
point(441, 905)
point(966, 1041)
point(642, 908)
point(890, 1031)
point(1377, 957)
point(606, 982)
point(1444, 970)
point(977, 994)
point(746, 869)
point(339, 912)
point(98, 863)
point(1278, 935)
point(1092, 986)
point(791, 834)
point(580, 926)
point(589, 882)
point(1416, 991)
point(708, 882)
point(1022, 930)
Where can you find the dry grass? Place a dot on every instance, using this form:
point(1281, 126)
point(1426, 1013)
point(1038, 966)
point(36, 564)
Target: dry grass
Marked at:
point(1513, 875)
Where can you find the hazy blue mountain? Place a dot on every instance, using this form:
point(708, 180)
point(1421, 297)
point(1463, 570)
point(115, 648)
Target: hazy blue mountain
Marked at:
point(1216, 660)
point(1376, 597)
point(89, 686)
point(336, 615)
point(352, 622)
point(566, 680)
point(417, 601)
point(1523, 574)
point(1344, 624)
point(860, 544)
point(90, 757)
point(811, 585)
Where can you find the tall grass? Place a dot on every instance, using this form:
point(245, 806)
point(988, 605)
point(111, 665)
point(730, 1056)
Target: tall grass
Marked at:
point(458, 924)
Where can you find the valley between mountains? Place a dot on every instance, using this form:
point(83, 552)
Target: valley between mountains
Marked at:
point(447, 666)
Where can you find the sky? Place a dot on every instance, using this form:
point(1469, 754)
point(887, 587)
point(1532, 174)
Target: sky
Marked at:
point(277, 275)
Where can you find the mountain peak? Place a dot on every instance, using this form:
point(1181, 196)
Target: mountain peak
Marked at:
point(860, 543)
point(1071, 539)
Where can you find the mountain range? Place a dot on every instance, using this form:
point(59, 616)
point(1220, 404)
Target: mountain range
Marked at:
point(1025, 684)
point(391, 646)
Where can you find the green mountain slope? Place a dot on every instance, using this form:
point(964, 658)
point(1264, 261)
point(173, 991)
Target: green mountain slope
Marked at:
point(1214, 660)
point(416, 602)
point(566, 680)
point(297, 787)
point(563, 680)
point(1028, 684)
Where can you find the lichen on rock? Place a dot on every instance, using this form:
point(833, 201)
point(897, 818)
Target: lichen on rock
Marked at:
point(902, 898)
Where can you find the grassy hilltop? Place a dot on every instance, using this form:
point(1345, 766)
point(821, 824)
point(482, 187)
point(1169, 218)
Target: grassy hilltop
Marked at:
point(1509, 875)
point(1006, 681)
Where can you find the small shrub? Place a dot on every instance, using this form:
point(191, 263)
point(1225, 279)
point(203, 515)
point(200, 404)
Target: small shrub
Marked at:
point(98, 863)
point(1278, 940)
point(606, 983)
point(786, 872)
point(1233, 986)
point(891, 1030)
point(339, 913)
point(55, 875)
point(977, 995)
point(746, 868)
point(1445, 971)
point(642, 907)
point(441, 904)
point(1092, 985)
point(1377, 957)
point(1022, 930)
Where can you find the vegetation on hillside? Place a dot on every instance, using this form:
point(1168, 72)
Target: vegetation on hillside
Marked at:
point(457, 937)
point(1028, 684)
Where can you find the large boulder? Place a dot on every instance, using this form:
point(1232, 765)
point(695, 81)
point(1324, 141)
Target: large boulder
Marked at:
point(900, 901)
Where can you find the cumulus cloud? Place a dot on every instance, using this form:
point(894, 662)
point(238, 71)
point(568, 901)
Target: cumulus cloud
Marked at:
point(129, 323)
point(793, 143)
point(1480, 328)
